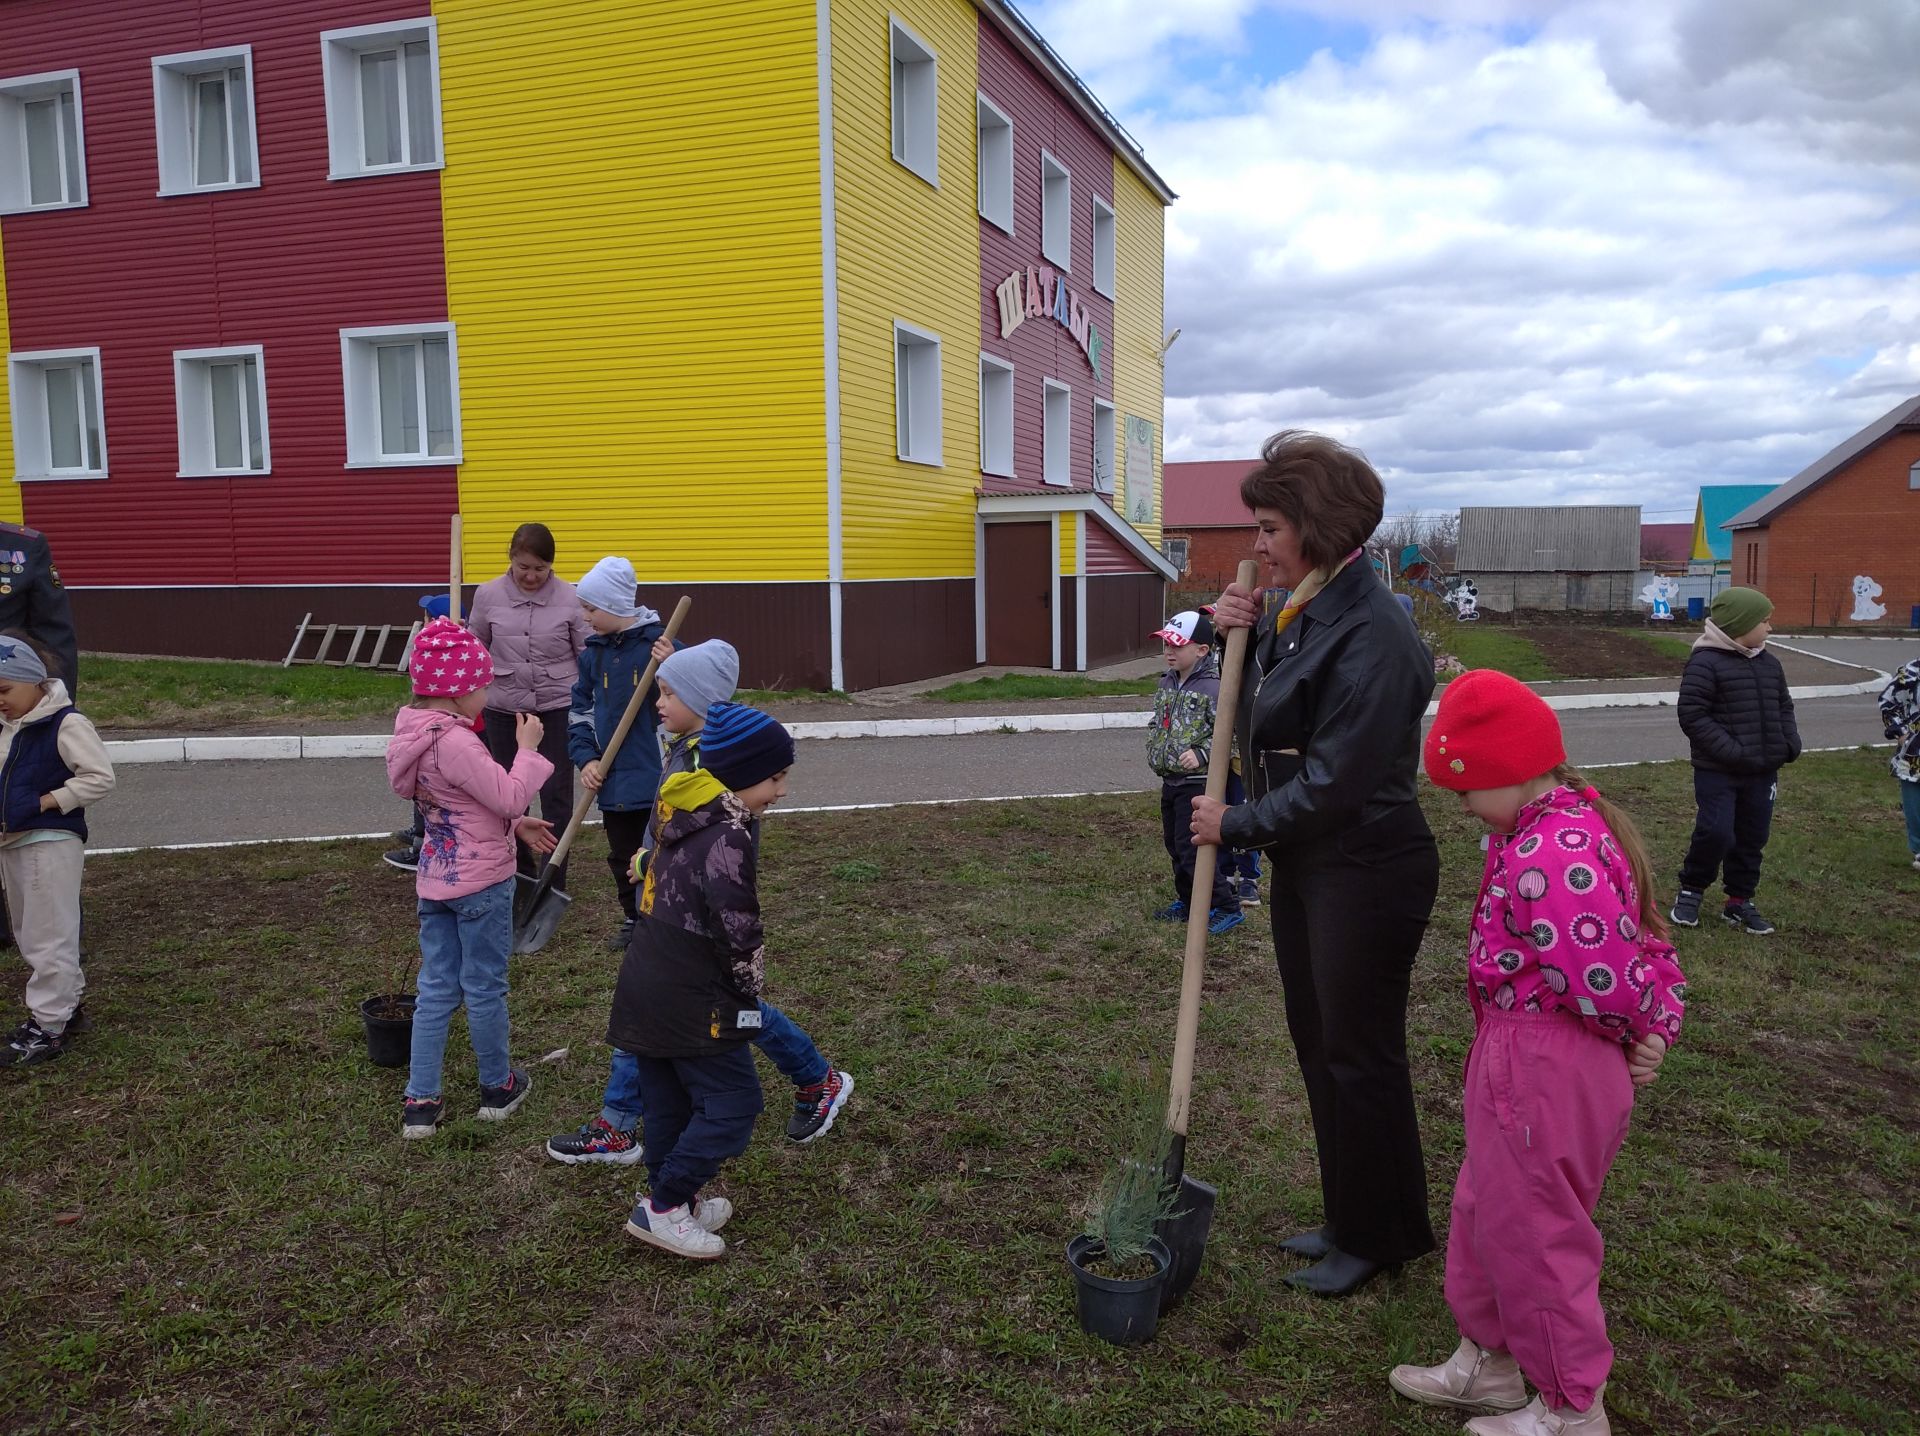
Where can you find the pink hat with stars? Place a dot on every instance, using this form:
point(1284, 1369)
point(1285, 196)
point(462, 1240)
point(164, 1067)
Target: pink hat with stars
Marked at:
point(449, 661)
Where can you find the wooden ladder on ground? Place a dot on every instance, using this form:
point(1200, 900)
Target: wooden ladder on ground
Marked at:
point(353, 658)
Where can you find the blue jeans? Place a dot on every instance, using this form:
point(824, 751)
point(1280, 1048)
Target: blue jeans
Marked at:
point(464, 943)
point(783, 1040)
point(1910, 805)
point(1239, 864)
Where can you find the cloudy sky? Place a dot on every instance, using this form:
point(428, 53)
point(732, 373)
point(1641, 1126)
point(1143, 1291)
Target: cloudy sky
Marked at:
point(1528, 252)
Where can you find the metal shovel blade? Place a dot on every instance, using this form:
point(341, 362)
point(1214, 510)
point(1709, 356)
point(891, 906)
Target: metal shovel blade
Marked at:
point(538, 907)
point(1185, 1235)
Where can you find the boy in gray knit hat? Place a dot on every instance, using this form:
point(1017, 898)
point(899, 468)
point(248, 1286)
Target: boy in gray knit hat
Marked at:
point(692, 681)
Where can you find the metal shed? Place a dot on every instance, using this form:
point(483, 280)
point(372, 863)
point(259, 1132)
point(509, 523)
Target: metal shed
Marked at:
point(1578, 558)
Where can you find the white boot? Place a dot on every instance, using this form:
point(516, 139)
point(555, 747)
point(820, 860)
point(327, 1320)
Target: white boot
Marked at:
point(1536, 1419)
point(1472, 1379)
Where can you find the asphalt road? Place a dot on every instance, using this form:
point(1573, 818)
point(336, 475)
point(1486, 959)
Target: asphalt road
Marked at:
point(175, 803)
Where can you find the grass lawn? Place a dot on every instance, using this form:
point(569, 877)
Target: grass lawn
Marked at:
point(1012, 687)
point(1482, 645)
point(210, 1224)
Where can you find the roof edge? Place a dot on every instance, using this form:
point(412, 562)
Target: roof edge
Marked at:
point(1904, 415)
point(1080, 501)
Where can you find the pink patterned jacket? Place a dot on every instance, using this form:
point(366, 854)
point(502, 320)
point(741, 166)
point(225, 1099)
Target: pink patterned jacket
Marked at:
point(1557, 928)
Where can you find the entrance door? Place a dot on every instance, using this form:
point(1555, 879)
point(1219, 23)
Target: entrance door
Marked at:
point(1020, 595)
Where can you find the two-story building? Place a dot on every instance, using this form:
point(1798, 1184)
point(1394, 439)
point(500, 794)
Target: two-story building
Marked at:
point(843, 317)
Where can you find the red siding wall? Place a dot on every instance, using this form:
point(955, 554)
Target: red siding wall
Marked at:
point(1041, 348)
point(287, 265)
point(1107, 555)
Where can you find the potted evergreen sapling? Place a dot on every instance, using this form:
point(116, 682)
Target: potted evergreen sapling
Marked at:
point(1118, 1263)
point(389, 1016)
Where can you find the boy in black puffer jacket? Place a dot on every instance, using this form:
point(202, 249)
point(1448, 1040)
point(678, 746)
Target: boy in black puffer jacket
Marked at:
point(1737, 714)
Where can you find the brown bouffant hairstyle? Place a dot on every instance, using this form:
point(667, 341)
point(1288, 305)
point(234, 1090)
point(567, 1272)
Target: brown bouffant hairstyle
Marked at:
point(1328, 493)
point(533, 540)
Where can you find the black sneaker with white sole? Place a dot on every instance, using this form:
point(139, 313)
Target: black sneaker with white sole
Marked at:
point(598, 1141)
point(1746, 917)
point(1686, 908)
point(31, 1044)
point(420, 1117)
point(816, 1106)
point(499, 1103)
point(406, 859)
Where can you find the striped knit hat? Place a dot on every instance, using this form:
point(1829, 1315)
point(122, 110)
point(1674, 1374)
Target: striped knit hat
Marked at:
point(742, 746)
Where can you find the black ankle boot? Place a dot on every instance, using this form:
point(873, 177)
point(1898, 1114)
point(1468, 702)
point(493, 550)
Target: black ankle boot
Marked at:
point(1338, 1273)
point(1311, 1246)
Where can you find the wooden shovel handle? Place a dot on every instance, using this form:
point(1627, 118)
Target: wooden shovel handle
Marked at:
point(453, 574)
point(1193, 970)
point(612, 750)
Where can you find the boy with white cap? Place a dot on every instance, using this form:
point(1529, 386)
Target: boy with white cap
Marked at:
point(1179, 735)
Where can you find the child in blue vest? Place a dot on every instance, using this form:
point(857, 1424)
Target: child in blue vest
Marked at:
point(52, 764)
point(625, 636)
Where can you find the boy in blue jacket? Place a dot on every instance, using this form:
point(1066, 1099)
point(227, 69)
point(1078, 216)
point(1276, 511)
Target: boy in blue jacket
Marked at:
point(626, 636)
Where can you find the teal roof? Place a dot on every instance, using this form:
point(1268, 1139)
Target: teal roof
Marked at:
point(1720, 502)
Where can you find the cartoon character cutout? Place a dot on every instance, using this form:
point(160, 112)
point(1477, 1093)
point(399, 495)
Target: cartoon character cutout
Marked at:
point(1659, 595)
point(1465, 600)
point(1865, 591)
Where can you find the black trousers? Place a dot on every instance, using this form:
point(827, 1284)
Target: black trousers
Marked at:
point(556, 794)
point(626, 834)
point(1176, 820)
point(1733, 815)
point(1348, 915)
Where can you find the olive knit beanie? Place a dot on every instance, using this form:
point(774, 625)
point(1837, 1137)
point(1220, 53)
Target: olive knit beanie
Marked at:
point(1735, 611)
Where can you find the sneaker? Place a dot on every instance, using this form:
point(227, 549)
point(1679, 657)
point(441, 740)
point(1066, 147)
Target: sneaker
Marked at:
point(498, 1103)
point(1472, 1379)
point(675, 1230)
point(598, 1141)
point(78, 1023)
point(1249, 893)
point(1225, 919)
point(406, 859)
point(1745, 916)
point(1536, 1418)
point(618, 942)
point(419, 1117)
point(1686, 908)
point(1175, 911)
point(712, 1213)
point(30, 1044)
point(816, 1106)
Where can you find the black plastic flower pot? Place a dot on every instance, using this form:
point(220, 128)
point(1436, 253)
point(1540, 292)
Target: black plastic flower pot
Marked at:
point(1124, 1312)
point(389, 1037)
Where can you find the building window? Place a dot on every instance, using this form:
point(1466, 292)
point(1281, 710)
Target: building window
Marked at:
point(1056, 466)
point(1103, 247)
point(58, 432)
point(916, 393)
point(996, 416)
point(41, 124)
point(996, 165)
point(220, 400)
point(1103, 447)
point(916, 104)
point(403, 395)
point(1056, 213)
point(1913, 477)
point(203, 120)
point(1174, 550)
point(383, 98)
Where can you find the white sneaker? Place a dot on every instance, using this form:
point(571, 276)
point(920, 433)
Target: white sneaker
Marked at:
point(1472, 1379)
point(1535, 1419)
point(674, 1230)
point(712, 1213)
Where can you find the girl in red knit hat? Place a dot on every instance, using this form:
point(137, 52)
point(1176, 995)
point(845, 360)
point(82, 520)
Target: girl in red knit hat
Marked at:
point(1576, 998)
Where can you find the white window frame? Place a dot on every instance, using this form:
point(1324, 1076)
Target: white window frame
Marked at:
point(996, 416)
point(994, 143)
point(1168, 547)
point(1056, 430)
point(340, 52)
point(914, 413)
point(913, 101)
point(16, 186)
point(176, 79)
point(1056, 213)
point(27, 388)
point(360, 383)
point(1103, 410)
point(1105, 247)
point(193, 411)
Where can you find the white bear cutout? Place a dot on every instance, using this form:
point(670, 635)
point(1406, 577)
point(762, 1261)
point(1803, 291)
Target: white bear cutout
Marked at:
point(1659, 595)
point(1865, 591)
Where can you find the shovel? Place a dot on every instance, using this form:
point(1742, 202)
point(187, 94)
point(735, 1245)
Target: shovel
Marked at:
point(1185, 1232)
point(453, 576)
point(537, 905)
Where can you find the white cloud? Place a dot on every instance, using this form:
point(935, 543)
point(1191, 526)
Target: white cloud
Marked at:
point(1532, 251)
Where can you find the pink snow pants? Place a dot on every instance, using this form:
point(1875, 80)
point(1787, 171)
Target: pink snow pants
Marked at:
point(1547, 1106)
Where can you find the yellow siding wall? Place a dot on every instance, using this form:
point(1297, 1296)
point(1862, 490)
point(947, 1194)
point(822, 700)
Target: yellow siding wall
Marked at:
point(10, 503)
point(632, 213)
point(911, 252)
point(1070, 543)
point(1139, 316)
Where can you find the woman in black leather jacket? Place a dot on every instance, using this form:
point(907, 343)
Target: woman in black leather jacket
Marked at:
point(1336, 684)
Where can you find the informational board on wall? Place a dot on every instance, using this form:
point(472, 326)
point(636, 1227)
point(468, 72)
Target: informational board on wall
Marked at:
point(1139, 471)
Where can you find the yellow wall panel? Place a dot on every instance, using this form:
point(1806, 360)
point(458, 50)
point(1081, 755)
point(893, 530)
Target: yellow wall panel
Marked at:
point(632, 213)
point(1070, 543)
point(907, 251)
point(1139, 318)
point(11, 507)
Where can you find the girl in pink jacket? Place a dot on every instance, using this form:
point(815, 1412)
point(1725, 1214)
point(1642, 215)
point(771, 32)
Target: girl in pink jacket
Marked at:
point(1576, 998)
point(474, 809)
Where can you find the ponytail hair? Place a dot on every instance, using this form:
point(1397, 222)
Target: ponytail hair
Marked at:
point(1652, 919)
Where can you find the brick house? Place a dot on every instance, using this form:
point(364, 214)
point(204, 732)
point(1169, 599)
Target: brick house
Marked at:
point(1207, 529)
point(1854, 513)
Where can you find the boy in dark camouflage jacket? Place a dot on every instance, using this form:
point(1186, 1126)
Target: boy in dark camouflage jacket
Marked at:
point(1179, 735)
